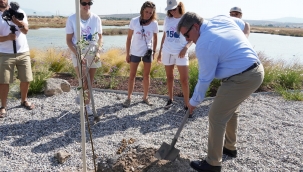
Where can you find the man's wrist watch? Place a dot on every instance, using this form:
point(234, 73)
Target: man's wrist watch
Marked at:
point(20, 27)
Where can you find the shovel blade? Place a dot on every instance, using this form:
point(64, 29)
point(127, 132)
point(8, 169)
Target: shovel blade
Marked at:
point(167, 152)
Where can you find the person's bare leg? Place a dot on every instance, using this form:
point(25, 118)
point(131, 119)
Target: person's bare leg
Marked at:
point(4, 89)
point(146, 79)
point(183, 71)
point(92, 72)
point(131, 79)
point(170, 80)
point(24, 86)
point(84, 82)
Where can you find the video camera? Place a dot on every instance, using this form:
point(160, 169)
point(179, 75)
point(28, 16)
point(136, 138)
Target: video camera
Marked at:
point(12, 11)
point(148, 53)
point(7, 16)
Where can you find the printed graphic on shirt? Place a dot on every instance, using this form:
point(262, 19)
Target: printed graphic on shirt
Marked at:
point(144, 34)
point(172, 35)
point(86, 35)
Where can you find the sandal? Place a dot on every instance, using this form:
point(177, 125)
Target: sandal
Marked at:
point(2, 115)
point(26, 106)
point(146, 101)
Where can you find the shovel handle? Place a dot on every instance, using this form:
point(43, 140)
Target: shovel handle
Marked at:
point(181, 126)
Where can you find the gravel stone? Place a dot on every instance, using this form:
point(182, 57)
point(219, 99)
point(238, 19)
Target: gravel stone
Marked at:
point(270, 133)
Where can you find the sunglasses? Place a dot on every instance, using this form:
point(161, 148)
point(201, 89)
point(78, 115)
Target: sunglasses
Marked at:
point(173, 9)
point(186, 33)
point(234, 14)
point(86, 3)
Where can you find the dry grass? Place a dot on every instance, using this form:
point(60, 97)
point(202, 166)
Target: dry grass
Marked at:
point(278, 31)
point(58, 22)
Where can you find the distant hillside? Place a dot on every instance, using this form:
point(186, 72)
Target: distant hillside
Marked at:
point(160, 16)
point(274, 23)
point(31, 12)
point(288, 20)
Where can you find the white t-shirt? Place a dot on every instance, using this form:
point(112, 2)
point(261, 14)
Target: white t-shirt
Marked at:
point(21, 41)
point(239, 22)
point(88, 29)
point(173, 42)
point(142, 35)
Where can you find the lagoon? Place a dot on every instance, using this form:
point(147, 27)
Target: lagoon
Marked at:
point(275, 47)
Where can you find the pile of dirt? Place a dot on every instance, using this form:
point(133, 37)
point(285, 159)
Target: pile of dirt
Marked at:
point(142, 159)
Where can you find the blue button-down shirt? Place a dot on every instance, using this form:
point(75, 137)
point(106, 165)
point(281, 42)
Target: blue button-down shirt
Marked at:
point(222, 50)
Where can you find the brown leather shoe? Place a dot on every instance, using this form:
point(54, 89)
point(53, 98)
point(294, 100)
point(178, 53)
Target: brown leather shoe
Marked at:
point(203, 166)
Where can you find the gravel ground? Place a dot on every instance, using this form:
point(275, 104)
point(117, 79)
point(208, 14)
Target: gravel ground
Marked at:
point(270, 136)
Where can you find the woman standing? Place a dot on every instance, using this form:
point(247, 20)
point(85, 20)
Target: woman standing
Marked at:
point(140, 45)
point(91, 31)
point(174, 51)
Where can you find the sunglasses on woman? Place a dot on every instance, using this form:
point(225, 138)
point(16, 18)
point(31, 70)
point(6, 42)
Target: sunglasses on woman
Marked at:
point(173, 9)
point(86, 3)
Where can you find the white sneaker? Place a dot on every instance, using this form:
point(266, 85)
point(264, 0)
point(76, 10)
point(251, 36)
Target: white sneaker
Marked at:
point(89, 110)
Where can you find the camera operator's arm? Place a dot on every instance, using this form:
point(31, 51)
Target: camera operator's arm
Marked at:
point(9, 37)
point(23, 27)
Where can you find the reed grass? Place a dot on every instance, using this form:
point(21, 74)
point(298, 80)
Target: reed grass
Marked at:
point(279, 76)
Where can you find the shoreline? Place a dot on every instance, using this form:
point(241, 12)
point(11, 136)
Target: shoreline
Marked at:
point(36, 23)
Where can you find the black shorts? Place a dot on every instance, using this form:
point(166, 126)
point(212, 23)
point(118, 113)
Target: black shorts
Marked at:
point(137, 59)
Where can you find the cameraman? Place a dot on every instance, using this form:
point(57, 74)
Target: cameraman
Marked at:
point(8, 59)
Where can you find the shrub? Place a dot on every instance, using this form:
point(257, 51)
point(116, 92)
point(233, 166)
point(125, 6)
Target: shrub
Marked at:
point(287, 94)
point(36, 86)
point(193, 75)
point(157, 70)
point(290, 79)
point(56, 60)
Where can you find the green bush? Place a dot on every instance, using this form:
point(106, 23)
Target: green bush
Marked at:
point(213, 88)
point(193, 75)
point(157, 71)
point(270, 77)
point(39, 78)
point(56, 66)
point(287, 94)
point(290, 79)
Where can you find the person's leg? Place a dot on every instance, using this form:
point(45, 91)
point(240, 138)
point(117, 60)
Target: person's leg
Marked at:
point(183, 71)
point(24, 86)
point(131, 79)
point(231, 131)
point(146, 79)
point(7, 65)
point(170, 80)
point(25, 75)
point(229, 96)
point(84, 86)
point(92, 72)
point(4, 89)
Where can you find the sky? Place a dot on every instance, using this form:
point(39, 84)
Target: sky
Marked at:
point(252, 9)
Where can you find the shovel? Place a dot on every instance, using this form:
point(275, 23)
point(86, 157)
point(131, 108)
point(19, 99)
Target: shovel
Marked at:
point(169, 152)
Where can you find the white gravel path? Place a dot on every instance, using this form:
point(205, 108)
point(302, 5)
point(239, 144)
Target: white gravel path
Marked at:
point(270, 136)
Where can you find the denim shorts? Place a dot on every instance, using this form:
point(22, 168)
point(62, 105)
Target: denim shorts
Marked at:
point(137, 59)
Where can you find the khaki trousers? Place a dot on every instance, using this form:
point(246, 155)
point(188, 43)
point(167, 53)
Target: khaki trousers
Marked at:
point(7, 67)
point(223, 114)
